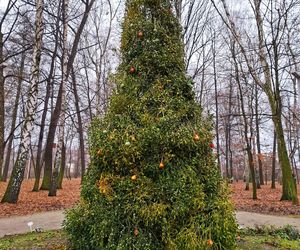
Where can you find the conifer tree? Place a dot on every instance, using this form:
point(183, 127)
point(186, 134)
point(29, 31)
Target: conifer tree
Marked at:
point(152, 182)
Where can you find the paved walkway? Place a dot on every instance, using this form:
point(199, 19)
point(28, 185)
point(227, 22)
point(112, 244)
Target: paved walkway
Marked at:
point(18, 224)
point(53, 220)
point(246, 219)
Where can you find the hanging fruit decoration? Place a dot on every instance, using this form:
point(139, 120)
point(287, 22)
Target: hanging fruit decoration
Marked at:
point(100, 152)
point(212, 146)
point(210, 242)
point(161, 165)
point(140, 34)
point(134, 177)
point(136, 231)
point(196, 137)
point(132, 70)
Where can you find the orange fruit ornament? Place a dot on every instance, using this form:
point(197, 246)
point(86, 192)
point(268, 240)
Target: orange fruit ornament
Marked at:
point(100, 152)
point(196, 137)
point(140, 34)
point(210, 242)
point(136, 231)
point(132, 70)
point(211, 145)
point(134, 177)
point(161, 165)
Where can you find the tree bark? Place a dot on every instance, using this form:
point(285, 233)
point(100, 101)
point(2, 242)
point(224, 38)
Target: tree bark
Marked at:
point(14, 119)
point(2, 110)
point(80, 126)
point(55, 116)
point(63, 167)
point(39, 162)
point(289, 191)
point(260, 164)
point(228, 153)
point(61, 134)
point(216, 105)
point(12, 192)
point(246, 126)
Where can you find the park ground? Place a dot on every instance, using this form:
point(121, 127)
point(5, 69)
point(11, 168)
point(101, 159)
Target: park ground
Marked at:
point(258, 239)
point(37, 203)
point(268, 201)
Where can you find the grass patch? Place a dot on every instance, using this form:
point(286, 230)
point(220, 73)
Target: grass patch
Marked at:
point(267, 242)
point(260, 238)
point(266, 237)
point(54, 240)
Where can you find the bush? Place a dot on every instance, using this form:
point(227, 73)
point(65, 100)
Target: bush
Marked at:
point(152, 182)
point(287, 232)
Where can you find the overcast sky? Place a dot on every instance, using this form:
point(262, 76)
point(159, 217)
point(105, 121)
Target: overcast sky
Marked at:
point(3, 4)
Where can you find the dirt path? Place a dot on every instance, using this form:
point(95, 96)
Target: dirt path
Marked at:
point(53, 220)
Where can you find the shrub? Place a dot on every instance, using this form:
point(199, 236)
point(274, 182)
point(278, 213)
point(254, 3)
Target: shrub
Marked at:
point(152, 182)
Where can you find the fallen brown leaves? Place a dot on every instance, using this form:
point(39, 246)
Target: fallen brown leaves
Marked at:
point(268, 201)
point(33, 202)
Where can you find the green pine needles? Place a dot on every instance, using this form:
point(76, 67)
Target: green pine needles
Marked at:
point(152, 182)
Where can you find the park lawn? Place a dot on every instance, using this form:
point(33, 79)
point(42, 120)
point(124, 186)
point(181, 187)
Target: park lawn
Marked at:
point(54, 240)
point(58, 240)
point(259, 242)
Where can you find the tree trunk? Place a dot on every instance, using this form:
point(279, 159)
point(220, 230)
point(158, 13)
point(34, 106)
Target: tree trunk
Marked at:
point(39, 162)
point(255, 158)
point(14, 119)
point(228, 135)
point(63, 167)
point(216, 105)
point(55, 116)
point(247, 174)
point(246, 126)
point(260, 164)
point(14, 185)
point(252, 171)
point(80, 126)
point(48, 158)
point(289, 191)
point(61, 134)
point(2, 110)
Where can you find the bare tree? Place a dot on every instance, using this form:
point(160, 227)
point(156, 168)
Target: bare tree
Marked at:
point(10, 5)
point(270, 87)
point(55, 116)
point(14, 185)
point(14, 116)
point(61, 123)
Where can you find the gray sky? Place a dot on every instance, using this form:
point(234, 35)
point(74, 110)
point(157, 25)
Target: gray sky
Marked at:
point(3, 4)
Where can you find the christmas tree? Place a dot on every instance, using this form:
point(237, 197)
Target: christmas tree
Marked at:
point(153, 182)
